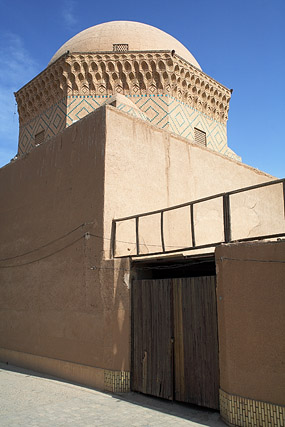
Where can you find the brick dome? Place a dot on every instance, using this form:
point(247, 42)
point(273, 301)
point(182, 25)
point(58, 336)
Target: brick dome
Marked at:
point(133, 36)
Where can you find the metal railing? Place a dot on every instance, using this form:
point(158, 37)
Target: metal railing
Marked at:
point(227, 229)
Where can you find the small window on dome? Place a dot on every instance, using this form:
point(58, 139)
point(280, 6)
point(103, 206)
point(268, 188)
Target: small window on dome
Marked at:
point(39, 137)
point(120, 47)
point(200, 137)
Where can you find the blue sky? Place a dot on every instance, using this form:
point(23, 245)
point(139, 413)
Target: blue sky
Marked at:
point(239, 43)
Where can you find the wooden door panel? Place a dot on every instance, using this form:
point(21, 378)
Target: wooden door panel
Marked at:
point(186, 310)
point(196, 341)
point(152, 352)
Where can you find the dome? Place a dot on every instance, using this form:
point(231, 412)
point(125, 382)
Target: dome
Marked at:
point(139, 37)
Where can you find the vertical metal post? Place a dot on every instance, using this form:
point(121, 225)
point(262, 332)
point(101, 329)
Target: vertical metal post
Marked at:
point(137, 235)
point(192, 225)
point(284, 195)
point(113, 239)
point(227, 218)
point(161, 231)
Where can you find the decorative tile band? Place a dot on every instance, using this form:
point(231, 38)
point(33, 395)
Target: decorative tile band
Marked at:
point(164, 111)
point(117, 381)
point(240, 411)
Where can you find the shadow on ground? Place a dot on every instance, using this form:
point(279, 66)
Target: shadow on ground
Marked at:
point(192, 413)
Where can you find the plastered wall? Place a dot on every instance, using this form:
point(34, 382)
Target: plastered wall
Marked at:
point(64, 303)
point(149, 169)
point(61, 307)
point(251, 321)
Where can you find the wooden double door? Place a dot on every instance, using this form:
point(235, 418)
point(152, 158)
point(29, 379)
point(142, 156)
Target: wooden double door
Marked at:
point(175, 339)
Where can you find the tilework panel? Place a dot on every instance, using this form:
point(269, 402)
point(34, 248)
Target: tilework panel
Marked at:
point(156, 107)
point(183, 119)
point(133, 111)
point(117, 381)
point(52, 121)
point(78, 107)
point(163, 111)
point(177, 117)
point(239, 411)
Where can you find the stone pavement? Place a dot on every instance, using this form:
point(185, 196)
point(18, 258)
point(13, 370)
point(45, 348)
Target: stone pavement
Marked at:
point(31, 399)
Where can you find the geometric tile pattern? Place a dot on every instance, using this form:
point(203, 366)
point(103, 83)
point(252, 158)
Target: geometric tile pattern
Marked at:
point(52, 121)
point(132, 111)
point(163, 110)
point(240, 411)
point(116, 381)
point(179, 118)
point(78, 107)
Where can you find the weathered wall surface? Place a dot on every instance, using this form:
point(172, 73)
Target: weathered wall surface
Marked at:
point(251, 319)
point(57, 300)
point(148, 169)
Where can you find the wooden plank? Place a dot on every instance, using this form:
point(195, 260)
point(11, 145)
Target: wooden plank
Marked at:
point(179, 388)
point(152, 352)
point(198, 341)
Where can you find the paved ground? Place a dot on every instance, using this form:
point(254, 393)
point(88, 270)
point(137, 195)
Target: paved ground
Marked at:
point(31, 399)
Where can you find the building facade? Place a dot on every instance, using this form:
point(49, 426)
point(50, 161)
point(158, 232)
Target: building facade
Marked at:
point(110, 129)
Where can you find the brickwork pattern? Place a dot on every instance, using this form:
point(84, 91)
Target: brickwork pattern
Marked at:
point(243, 412)
point(173, 94)
point(117, 381)
point(164, 111)
point(127, 73)
point(52, 121)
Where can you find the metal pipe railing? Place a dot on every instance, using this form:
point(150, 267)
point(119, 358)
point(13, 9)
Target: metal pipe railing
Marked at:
point(226, 220)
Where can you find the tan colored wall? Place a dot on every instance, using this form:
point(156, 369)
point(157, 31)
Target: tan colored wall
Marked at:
point(68, 304)
point(148, 169)
point(251, 320)
point(52, 304)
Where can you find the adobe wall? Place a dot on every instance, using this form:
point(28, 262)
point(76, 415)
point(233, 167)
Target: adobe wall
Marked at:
point(64, 303)
point(148, 169)
point(62, 310)
point(251, 320)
